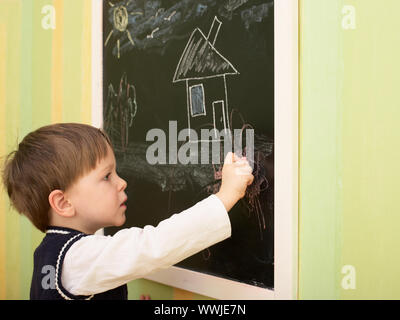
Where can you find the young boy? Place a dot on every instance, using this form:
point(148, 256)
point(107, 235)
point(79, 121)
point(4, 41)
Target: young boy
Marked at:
point(63, 178)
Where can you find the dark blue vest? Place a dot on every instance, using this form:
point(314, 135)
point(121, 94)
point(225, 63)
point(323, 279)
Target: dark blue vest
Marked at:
point(48, 261)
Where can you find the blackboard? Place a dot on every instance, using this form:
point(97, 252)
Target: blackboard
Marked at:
point(197, 64)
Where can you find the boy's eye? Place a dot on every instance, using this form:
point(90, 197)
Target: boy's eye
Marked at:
point(107, 176)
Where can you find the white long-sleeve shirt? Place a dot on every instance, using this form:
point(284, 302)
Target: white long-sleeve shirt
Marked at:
point(98, 263)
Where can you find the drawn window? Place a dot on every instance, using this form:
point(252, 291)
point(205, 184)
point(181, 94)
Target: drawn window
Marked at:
point(197, 103)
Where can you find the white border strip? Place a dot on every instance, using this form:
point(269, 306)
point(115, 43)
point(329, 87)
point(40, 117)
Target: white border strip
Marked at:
point(286, 148)
point(57, 231)
point(210, 286)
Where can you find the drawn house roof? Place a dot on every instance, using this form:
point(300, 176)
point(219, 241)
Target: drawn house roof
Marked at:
point(200, 59)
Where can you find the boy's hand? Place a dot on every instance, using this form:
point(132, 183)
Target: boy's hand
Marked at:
point(236, 176)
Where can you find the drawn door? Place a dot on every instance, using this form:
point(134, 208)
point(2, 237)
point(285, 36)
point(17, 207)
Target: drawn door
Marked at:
point(219, 115)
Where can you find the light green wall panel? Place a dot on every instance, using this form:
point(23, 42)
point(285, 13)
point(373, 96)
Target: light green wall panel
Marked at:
point(320, 142)
point(371, 155)
point(349, 137)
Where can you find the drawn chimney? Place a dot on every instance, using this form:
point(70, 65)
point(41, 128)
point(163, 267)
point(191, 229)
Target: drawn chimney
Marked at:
point(213, 33)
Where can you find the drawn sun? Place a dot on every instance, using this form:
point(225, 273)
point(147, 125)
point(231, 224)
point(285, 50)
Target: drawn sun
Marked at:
point(120, 21)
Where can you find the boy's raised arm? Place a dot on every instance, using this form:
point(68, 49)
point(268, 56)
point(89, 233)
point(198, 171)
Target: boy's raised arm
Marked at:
point(96, 264)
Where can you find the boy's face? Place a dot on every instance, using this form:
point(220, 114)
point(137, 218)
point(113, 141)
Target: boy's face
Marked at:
point(98, 196)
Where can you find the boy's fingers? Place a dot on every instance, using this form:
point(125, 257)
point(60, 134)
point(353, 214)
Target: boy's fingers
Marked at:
point(243, 170)
point(236, 157)
point(232, 157)
point(243, 164)
point(240, 160)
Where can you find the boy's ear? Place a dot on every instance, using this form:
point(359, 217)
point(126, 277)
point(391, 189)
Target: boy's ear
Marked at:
point(60, 204)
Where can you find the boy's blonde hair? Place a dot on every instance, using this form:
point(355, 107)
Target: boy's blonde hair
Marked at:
point(49, 158)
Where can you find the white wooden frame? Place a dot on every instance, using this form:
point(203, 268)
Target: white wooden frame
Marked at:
point(286, 166)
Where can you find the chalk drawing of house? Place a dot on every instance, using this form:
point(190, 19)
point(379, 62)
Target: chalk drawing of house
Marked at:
point(204, 71)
